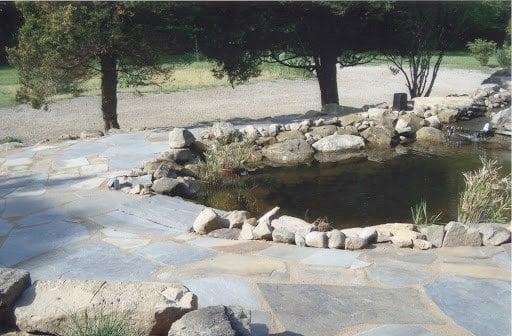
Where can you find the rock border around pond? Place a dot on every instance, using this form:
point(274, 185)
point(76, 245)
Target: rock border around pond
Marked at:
point(291, 230)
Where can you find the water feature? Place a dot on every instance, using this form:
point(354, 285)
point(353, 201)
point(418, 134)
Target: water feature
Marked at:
point(359, 194)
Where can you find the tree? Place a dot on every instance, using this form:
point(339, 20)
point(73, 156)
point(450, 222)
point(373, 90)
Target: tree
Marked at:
point(62, 44)
point(420, 33)
point(315, 36)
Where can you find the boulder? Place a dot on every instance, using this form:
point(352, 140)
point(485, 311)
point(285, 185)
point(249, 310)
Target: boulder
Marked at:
point(323, 131)
point(188, 186)
point(250, 132)
point(336, 239)
point(345, 157)
point(293, 225)
point(290, 135)
point(458, 234)
point(369, 234)
point(289, 152)
point(378, 136)
point(401, 241)
point(392, 228)
point(351, 119)
point(247, 232)
point(49, 307)
point(355, 243)
point(403, 127)
point(433, 121)
point(165, 186)
point(413, 120)
point(269, 216)
point(236, 218)
point(434, 234)
point(337, 142)
point(262, 231)
point(213, 321)
point(179, 155)
point(282, 235)
point(225, 233)
point(223, 129)
point(180, 138)
point(316, 239)
point(164, 170)
point(12, 284)
point(430, 135)
point(448, 116)
point(347, 130)
point(376, 113)
point(207, 221)
point(300, 240)
point(501, 120)
point(494, 234)
point(422, 244)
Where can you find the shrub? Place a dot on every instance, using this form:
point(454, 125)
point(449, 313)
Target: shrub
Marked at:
point(486, 197)
point(420, 216)
point(503, 57)
point(482, 50)
point(223, 155)
point(8, 139)
point(100, 324)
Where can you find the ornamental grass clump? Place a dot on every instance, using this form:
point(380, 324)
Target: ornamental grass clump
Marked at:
point(486, 197)
point(100, 324)
point(223, 156)
point(419, 214)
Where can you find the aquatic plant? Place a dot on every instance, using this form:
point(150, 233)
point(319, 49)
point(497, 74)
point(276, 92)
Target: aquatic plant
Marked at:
point(486, 197)
point(222, 155)
point(322, 224)
point(419, 214)
point(99, 324)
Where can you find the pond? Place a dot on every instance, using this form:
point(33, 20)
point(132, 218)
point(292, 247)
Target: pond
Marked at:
point(359, 194)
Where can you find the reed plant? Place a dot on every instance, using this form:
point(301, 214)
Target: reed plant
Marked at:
point(419, 214)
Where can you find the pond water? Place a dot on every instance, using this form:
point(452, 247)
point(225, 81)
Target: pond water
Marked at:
point(359, 194)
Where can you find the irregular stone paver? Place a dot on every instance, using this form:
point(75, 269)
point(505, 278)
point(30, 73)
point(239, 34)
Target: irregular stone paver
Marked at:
point(98, 261)
point(482, 306)
point(126, 222)
point(43, 217)
point(333, 308)
point(288, 252)
point(24, 243)
point(174, 254)
point(397, 274)
point(213, 242)
point(5, 227)
point(341, 258)
point(30, 190)
point(223, 291)
point(397, 330)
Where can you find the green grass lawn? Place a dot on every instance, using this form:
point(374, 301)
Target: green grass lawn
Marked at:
point(190, 73)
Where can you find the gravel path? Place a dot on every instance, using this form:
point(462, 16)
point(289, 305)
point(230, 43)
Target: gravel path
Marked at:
point(358, 86)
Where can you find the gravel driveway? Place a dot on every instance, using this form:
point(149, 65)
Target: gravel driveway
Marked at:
point(358, 86)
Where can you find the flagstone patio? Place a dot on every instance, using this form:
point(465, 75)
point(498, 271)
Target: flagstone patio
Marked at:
point(58, 220)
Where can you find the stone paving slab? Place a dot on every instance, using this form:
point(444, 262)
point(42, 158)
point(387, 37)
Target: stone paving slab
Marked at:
point(5, 227)
point(333, 308)
point(288, 252)
point(482, 306)
point(332, 257)
point(223, 291)
point(398, 274)
point(27, 242)
point(397, 330)
point(174, 254)
point(92, 260)
point(125, 222)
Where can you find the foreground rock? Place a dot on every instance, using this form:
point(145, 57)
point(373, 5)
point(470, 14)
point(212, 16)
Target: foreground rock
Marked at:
point(213, 321)
point(289, 152)
point(180, 138)
point(494, 234)
point(12, 284)
point(430, 135)
point(337, 142)
point(48, 307)
point(458, 234)
point(207, 221)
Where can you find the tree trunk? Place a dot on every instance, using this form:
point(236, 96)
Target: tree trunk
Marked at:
point(326, 74)
point(109, 91)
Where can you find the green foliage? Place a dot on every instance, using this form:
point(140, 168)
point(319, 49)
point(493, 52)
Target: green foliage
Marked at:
point(419, 214)
point(100, 324)
point(486, 197)
point(223, 155)
point(8, 139)
point(482, 50)
point(503, 56)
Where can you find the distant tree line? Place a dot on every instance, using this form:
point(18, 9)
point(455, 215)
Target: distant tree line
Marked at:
point(61, 44)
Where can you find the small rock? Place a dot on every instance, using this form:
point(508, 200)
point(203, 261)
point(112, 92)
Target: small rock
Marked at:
point(448, 116)
point(422, 244)
point(292, 224)
point(281, 235)
point(164, 170)
point(269, 216)
point(289, 152)
point(250, 132)
point(494, 234)
point(336, 142)
point(290, 135)
point(433, 121)
point(403, 126)
point(263, 231)
point(114, 184)
point(12, 284)
point(401, 241)
point(135, 190)
point(317, 239)
point(179, 155)
point(354, 243)
point(323, 131)
point(180, 138)
point(165, 185)
point(300, 240)
point(223, 129)
point(434, 234)
point(247, 232)
point(336, 239)
point(369, 234)
point(213, 321)
point(207, 221)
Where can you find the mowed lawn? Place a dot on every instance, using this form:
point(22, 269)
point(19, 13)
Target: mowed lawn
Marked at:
point(188, 74)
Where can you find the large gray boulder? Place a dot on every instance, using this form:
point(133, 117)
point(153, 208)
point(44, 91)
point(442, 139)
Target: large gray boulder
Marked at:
point(458, 234)
point(165, 186)
point(379, 136)
point(322, 131)
point(12, 284)
point(289, 152)
point(430, 135)
point(336, 239)
point(501, 120)
point(50, 307)
point(213, 321)
point(293, 225)
point(338, 142)
point(282, 235)
point(207, 221)
point(434, 234)
point(317, 239)
point(494, 234)
point(180, 138)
